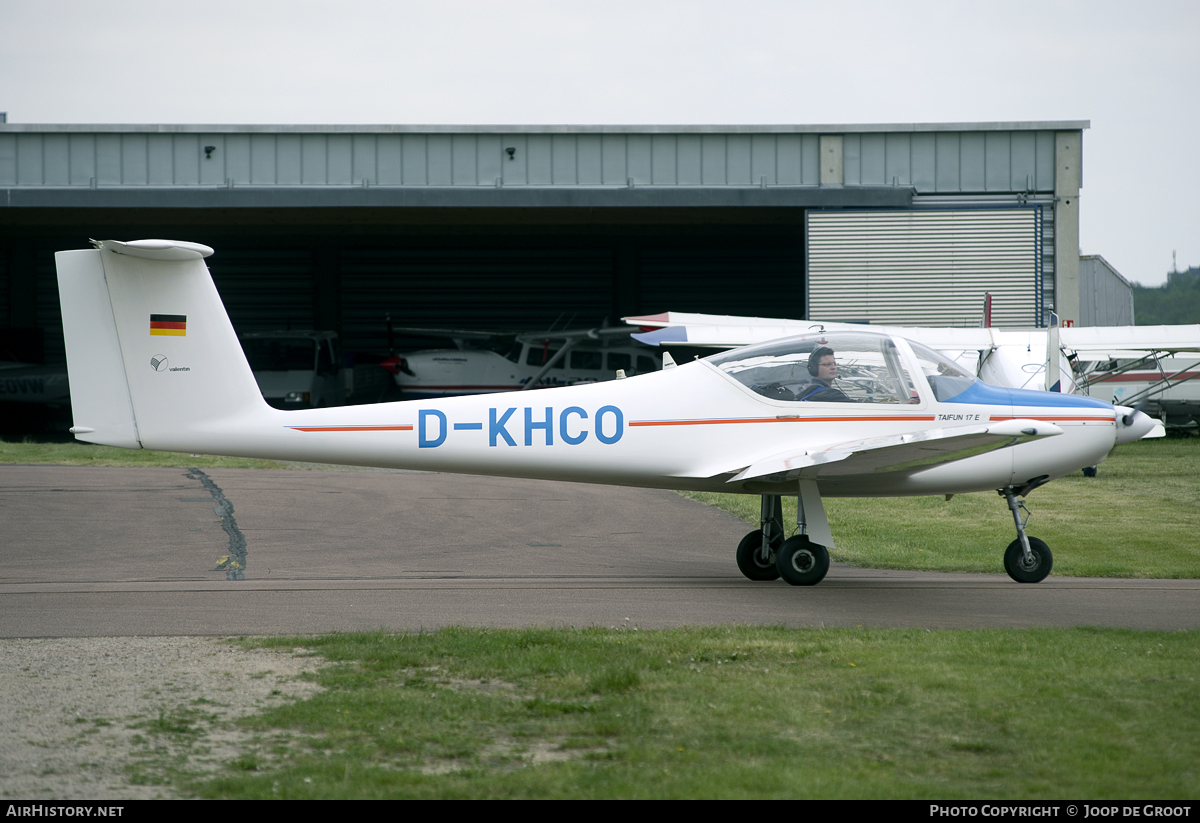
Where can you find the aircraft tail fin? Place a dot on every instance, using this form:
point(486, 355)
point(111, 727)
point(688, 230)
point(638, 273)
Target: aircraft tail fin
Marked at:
point(152, 358)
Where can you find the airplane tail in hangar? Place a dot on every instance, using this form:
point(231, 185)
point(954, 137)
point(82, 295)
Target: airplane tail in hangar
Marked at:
point(151, 354)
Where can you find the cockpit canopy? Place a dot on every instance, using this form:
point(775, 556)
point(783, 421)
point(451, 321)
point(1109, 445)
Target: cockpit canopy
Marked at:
point(869, 369)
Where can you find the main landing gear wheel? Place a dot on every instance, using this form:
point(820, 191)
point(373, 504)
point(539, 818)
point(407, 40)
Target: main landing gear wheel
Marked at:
point(750, 561)
point(802, 562)
point(1033, 571)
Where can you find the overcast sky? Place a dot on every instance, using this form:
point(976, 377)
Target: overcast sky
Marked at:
point(1131, 68)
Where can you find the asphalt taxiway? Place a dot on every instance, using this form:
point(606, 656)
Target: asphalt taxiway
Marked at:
point(94, 552)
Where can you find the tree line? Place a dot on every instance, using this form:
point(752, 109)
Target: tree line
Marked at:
point(1175, 302)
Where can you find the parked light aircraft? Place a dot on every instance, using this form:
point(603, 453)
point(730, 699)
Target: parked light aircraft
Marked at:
point(1135, 365)
point(490, 362)
point(909, 422)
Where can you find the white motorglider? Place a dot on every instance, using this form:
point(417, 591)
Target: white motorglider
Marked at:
point(154, 363)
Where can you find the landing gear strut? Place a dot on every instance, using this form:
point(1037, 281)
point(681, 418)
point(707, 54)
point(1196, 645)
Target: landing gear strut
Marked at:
point(1027, 559)
point(764, 554)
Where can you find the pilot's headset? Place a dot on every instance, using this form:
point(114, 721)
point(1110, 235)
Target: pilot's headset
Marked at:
point(814, 359)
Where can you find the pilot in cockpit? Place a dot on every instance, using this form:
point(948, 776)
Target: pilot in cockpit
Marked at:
point(822, 365)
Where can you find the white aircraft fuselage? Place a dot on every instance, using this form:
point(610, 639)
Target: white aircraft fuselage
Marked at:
point(691, 427)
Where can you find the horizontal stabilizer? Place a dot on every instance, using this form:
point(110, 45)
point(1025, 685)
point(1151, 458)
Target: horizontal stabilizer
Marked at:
point(913, 451)
point(156, 249)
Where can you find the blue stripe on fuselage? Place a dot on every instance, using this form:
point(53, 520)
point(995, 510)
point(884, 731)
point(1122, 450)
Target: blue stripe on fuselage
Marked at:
point(987, 395)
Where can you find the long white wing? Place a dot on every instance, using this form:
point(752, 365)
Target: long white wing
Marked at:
point(726, 331)
point(900, 452)
point(1112, 341)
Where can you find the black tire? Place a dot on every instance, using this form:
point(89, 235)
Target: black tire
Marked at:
point(749, 562)
point(802, 562)
point(1014, 564)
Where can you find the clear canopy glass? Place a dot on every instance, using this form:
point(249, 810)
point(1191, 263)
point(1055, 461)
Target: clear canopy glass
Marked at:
point(833, 367)
point(946, 378)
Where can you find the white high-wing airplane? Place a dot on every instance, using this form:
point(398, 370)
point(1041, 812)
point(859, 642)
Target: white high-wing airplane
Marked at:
point(154, 363)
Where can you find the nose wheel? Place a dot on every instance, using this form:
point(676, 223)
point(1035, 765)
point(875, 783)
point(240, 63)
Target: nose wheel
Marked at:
point(1031, 569)
point(1027, 559)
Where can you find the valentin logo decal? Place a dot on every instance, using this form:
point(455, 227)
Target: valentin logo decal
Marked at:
point(159, 362)
point(171, 325)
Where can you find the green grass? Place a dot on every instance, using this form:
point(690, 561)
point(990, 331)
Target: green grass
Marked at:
point(1139, 518)
point(731, 713)
point(64, 452)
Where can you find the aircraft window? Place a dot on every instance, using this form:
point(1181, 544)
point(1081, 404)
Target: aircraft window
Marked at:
point(504, 345)
point(945, 378)
point(539, 355)
point(617, 360)
point(588, 360)
point(646, 364)
point(514, 351)
point(266, 354)
point(868, 369)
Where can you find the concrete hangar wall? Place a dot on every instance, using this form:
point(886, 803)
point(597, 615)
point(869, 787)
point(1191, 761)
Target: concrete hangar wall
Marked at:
point(524, 226)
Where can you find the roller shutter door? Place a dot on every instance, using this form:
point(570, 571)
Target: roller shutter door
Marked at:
point(927, 268)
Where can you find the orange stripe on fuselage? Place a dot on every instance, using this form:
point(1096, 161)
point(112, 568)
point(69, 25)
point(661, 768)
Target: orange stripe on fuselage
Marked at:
point(719, 422)
point(352, 428)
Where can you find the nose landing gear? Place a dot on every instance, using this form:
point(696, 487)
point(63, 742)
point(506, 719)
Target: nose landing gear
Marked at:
point(1027, 559)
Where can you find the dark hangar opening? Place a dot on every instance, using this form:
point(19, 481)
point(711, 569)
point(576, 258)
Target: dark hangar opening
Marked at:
point(512, 269)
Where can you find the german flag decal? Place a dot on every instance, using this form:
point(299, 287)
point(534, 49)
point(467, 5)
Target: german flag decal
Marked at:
point(173, 325)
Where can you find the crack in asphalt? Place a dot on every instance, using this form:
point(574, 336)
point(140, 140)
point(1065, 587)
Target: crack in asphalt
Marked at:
point(234, 563)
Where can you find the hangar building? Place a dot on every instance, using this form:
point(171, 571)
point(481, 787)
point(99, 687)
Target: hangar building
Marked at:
point(520, 227)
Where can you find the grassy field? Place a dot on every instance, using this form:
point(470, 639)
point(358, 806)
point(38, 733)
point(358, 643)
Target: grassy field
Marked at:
point(1140, 517)
point(724, 712)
